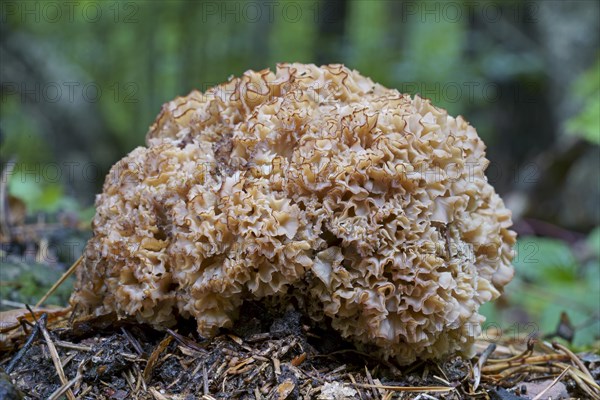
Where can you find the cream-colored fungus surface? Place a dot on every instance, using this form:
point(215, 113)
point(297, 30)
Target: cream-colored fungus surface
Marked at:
point(366, 208)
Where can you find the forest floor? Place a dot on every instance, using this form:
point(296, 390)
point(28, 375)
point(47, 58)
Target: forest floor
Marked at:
point(267, 356)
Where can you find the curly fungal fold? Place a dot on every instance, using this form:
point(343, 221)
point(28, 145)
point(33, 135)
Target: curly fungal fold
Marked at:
point(366, 207)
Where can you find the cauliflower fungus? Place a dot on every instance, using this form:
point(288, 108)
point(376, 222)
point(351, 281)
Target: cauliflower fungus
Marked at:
point(365, 207)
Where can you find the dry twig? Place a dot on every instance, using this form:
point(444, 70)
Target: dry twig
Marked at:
point(56, 359)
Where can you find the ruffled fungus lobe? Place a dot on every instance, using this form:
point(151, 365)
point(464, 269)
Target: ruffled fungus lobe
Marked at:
point(369, 208)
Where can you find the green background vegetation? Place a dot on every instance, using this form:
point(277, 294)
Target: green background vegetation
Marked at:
point(525, 74)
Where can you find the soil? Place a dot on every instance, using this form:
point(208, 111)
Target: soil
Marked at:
point(264, 356)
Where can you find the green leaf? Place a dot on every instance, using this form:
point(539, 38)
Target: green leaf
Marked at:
point(545, 260)
point(549, 280)
point(27, 282)
point(36, 195)
point(586, 124)
point(25, 189)
point(586, 91)
point(593, 241)
point(50, 198)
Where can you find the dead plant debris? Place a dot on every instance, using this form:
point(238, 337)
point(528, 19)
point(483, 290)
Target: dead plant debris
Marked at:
point(269, 356)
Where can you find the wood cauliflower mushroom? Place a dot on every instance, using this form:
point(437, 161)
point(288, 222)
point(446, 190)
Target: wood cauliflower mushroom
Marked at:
point(368, 207)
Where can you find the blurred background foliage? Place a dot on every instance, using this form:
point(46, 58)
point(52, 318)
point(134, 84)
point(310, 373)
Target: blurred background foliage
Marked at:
point(81, 83)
